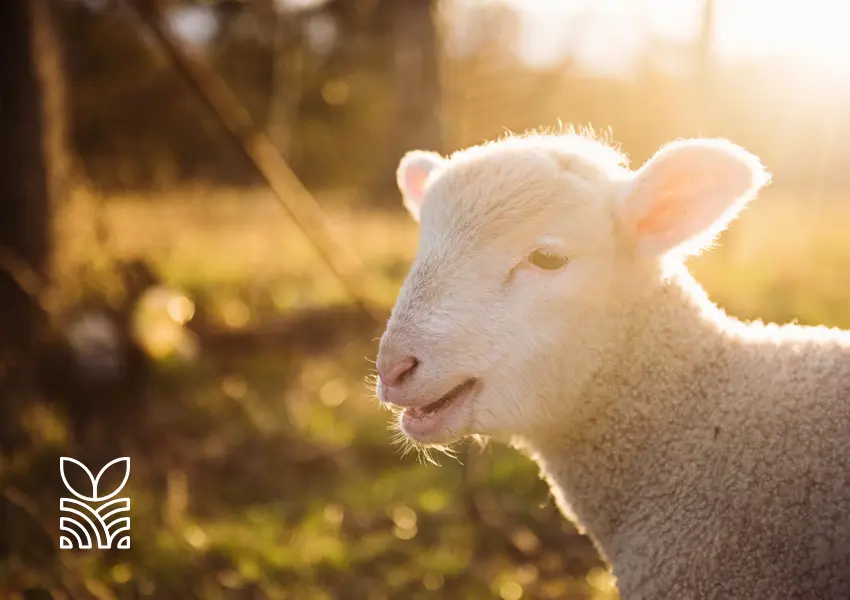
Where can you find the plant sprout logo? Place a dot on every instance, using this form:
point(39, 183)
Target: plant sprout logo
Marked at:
point(84, 522)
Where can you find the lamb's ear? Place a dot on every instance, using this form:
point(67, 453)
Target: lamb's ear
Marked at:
point(412, 176)
point(686, 194)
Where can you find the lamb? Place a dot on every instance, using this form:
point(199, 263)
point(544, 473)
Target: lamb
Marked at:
point(549, 307)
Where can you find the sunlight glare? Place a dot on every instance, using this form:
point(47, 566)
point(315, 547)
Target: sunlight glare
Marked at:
point(607, 35)
point(811, 33)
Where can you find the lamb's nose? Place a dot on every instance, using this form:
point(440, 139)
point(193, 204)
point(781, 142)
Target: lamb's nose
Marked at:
point(395, 374)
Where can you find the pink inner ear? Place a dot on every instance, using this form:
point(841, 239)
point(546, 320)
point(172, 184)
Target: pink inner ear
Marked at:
point(671, 204)
point(666, 211)
point(414, 182)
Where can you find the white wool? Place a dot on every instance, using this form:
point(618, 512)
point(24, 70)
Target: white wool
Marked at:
point(706, 457)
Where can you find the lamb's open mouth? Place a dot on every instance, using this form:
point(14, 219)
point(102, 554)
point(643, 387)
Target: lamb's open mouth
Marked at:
point(452, 397)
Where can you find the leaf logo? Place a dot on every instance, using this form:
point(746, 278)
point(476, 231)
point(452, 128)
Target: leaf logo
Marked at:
point(87, 522)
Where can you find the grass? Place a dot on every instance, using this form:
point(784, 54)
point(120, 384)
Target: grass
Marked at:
point(783, 259)
point(242, 243)
point(268, 472)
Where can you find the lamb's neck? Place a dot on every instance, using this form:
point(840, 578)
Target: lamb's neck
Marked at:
point(611, 467)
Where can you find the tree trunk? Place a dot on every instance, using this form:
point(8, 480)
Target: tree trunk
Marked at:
point(417, 81)
point(32, 162)
point(703, 89)
point(287, 66)
point(417, 86)
point(704, 42)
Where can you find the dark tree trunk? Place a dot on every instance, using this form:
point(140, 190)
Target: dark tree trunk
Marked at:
point(31, 160)
point(286, 79)
point(417, 91)
point(416, 73)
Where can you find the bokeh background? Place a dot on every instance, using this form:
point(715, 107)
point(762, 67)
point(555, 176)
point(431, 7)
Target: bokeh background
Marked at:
point(201, 238)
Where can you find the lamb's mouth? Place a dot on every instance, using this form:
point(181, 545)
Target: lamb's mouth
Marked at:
point(454, 396)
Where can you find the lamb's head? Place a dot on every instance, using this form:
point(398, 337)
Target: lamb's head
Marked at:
point(530, 250)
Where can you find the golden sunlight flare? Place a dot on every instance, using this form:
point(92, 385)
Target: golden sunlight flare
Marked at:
point(807, 35)
point(812, 33)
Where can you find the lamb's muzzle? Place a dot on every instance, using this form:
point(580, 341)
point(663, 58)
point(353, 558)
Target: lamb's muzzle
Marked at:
point(434, 405)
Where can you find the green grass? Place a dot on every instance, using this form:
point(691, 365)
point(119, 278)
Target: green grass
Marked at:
point(268, 472)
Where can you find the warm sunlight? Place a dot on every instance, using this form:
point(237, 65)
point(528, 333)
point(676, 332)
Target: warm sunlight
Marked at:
point(476, 299)
point(813, 32)
point(605, 35)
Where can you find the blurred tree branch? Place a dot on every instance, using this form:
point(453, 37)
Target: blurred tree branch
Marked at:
point(294, 197)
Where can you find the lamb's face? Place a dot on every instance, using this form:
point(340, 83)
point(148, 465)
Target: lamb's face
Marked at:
point(513, 267)
point(509, 306)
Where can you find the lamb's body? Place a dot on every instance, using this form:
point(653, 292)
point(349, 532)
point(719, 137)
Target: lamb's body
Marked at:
point(719, 472)
point(549, 306)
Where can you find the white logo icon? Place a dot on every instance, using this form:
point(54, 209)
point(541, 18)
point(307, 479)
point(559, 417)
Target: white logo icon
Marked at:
point(87, 521)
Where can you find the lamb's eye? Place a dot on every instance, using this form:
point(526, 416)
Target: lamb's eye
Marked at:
point(546, 260)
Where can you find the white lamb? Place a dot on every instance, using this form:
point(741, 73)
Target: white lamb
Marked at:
point(549, 307)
